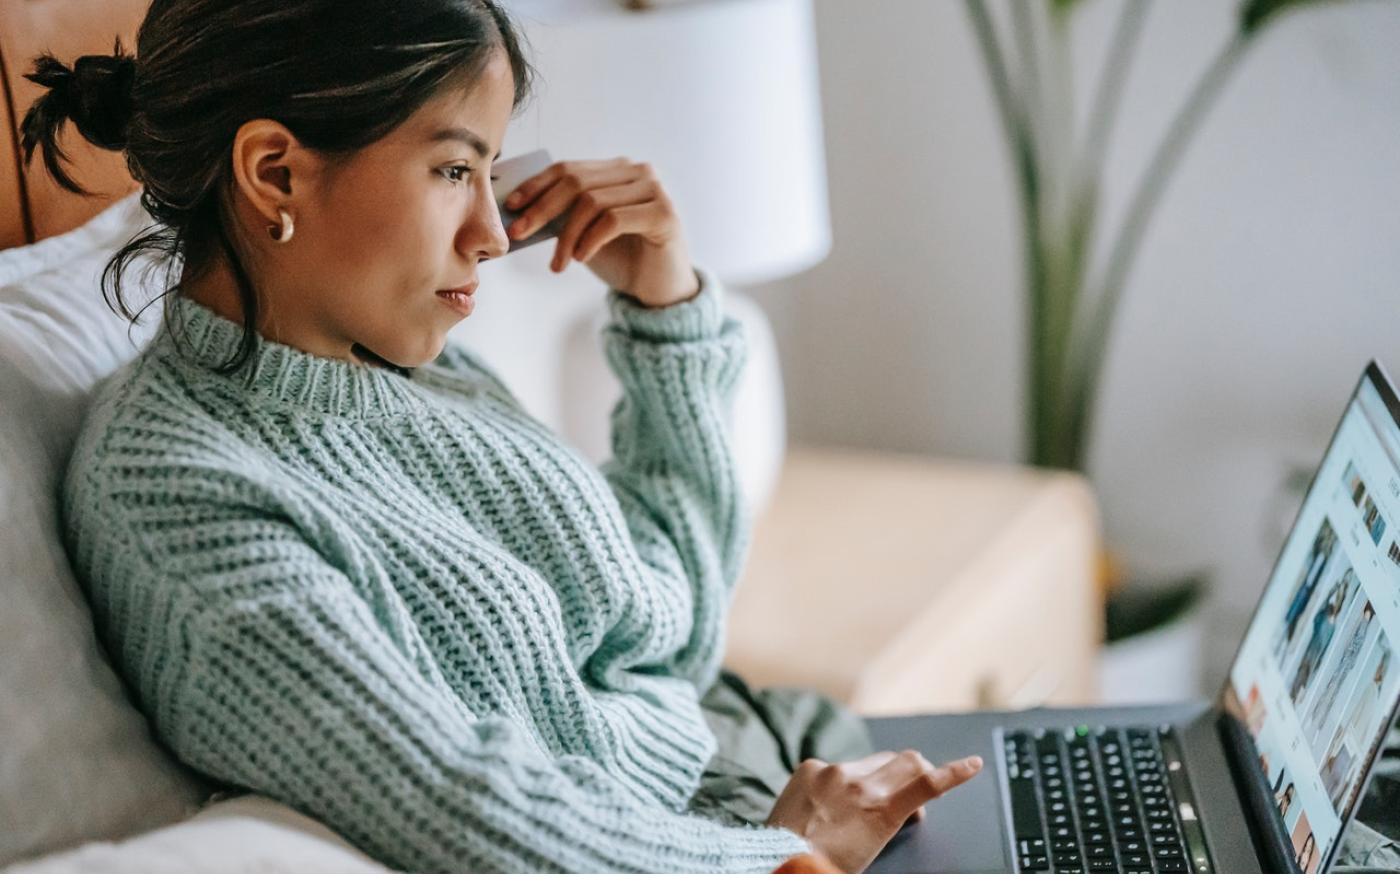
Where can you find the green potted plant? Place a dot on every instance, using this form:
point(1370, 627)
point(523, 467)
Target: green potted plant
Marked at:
point(1072, 301)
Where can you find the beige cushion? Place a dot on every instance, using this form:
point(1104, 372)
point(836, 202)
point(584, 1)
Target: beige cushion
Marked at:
point(249, 833)
point(893, 582)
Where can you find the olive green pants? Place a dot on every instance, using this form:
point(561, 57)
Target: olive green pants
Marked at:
point(763, 735)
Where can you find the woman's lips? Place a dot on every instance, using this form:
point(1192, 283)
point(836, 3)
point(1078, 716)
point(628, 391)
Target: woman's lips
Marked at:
point(458, 300)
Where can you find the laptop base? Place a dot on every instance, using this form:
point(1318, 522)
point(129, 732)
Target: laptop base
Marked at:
point(967, 832)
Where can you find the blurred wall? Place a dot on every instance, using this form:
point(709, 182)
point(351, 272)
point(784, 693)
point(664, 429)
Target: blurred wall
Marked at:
point(1270, 274)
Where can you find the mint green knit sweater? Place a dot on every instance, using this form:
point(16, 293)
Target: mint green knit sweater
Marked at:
point(403, 606)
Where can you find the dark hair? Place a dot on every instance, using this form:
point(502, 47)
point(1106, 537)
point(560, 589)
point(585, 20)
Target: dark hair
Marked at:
point(340, 74)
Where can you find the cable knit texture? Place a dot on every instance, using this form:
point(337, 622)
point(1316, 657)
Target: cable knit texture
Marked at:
point(403, 606)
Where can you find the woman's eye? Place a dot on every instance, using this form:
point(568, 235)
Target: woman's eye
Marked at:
point(463, 169)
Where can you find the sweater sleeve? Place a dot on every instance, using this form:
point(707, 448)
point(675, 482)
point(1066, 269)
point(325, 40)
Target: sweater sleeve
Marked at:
point(673, 467)
point(262, 666)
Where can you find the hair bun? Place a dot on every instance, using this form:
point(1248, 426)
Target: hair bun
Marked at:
point(95, 93)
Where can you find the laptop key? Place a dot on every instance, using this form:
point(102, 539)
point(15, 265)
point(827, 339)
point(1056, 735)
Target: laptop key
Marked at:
point(1025, 810)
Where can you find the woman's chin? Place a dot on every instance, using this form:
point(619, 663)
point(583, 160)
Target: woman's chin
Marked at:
point(426, 354)
point(406, 355)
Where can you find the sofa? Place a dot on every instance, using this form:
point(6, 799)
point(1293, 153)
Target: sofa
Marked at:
point(84, 786)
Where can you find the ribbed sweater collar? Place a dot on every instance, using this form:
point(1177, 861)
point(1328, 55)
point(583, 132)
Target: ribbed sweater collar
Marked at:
point(284, 374)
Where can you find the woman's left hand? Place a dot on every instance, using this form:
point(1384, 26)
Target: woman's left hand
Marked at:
point(621, 225)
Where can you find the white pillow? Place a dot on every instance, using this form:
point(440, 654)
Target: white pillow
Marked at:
point(77, 759)
point(250, 833)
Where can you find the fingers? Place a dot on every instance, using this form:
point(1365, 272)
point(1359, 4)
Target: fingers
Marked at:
point(922, 781)
point(901, 768)
point(807, 770)
point(549, 193)
point(591, 223)
point(869, 764)
point(887, 789)
point(527, 191)
point(814, 770)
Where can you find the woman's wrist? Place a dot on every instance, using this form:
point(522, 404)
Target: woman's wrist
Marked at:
point(681, 292)
point(698, 316)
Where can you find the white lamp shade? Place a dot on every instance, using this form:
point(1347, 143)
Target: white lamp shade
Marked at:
point(756, 420)
point(721, 97)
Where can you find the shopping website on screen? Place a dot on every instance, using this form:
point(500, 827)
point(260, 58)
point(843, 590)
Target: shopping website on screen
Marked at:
point(1315, 676)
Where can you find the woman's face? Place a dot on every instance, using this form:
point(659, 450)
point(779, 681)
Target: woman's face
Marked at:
point(377, 236)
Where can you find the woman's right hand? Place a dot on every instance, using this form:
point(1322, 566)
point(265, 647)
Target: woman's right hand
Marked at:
point(848, 811)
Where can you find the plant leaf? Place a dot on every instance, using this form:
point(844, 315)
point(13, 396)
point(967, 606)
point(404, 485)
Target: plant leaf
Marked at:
point(1254, 14)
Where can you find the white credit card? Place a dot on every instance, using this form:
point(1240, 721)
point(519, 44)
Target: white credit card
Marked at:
point(509, 174)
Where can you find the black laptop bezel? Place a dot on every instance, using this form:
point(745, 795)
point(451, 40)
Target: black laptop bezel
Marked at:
point(1377, 376)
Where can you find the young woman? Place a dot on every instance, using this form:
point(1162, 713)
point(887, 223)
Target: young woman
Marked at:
point(336, 561)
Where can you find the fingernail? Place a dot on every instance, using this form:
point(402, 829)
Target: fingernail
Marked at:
point(974, 762)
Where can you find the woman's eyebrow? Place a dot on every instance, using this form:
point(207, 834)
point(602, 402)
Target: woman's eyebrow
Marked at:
point(461, 134)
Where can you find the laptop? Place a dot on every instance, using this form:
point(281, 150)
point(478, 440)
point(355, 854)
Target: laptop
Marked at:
point(1265, 777)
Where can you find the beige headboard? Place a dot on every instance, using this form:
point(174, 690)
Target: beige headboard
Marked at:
point(32, 206)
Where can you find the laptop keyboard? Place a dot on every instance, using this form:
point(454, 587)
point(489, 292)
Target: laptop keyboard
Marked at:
point(1089, 800)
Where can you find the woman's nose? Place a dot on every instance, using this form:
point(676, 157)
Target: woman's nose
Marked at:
point(483, 234)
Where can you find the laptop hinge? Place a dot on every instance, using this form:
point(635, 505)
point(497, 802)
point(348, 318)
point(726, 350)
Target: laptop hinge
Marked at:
point(1270, 838)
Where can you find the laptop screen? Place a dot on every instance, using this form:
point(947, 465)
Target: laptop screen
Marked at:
point(1316, 678)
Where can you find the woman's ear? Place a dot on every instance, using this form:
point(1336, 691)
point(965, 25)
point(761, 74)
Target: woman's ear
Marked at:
point(271, 167)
